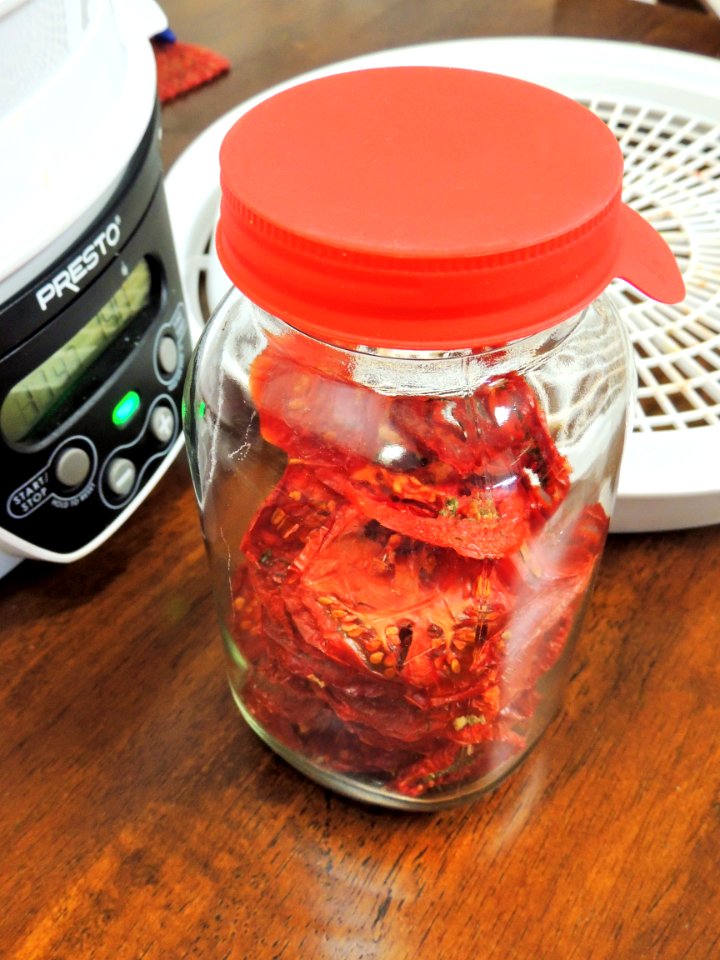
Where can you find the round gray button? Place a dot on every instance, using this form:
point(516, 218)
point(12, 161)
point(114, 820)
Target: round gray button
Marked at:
point(167, 355)
point(120, 476)
point(72, 466)
point(162, 423)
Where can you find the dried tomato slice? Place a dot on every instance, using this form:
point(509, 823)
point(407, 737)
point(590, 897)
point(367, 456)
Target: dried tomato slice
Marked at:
point(434, 690)
point(453, 765)
point(475, 471)
point(312, 415)
point(555, 572)
point(494, 433)
point(406, 583)
point(437, 507)
point(366, 595)
point(500, 415)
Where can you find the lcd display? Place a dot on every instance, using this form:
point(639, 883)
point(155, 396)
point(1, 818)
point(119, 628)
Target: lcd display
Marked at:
point(34, 398)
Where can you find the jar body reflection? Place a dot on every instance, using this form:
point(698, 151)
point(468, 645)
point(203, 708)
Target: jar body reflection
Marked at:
point(403, 544)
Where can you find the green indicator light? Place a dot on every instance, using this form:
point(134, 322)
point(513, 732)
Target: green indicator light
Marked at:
point(201, 408)
point(126, 408)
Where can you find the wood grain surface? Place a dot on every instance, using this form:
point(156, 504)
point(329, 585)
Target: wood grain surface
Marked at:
point(139, 817)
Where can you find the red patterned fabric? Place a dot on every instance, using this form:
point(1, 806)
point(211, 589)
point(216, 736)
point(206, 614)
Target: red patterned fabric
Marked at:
point(181, 67)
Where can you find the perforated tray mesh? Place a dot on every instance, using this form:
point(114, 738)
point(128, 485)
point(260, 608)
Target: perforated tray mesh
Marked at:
point(672, 178)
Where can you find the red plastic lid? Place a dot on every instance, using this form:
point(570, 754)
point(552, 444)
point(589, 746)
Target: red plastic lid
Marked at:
point(429, 207)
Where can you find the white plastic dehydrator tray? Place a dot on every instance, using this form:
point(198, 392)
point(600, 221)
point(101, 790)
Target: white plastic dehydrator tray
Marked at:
point(664, 108)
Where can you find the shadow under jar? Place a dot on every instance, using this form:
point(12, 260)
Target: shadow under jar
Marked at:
point(405, 421)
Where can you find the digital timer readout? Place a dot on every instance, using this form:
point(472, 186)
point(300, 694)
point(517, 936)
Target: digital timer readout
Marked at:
point(51, 383)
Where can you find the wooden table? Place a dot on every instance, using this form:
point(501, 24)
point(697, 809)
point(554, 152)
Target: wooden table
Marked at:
point(139, 818)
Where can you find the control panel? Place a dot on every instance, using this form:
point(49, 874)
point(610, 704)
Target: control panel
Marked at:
point(90, 399)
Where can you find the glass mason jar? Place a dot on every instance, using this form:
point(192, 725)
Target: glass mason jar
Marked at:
point(406, 419)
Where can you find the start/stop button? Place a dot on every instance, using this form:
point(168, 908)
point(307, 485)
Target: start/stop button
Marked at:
point(72, 467)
